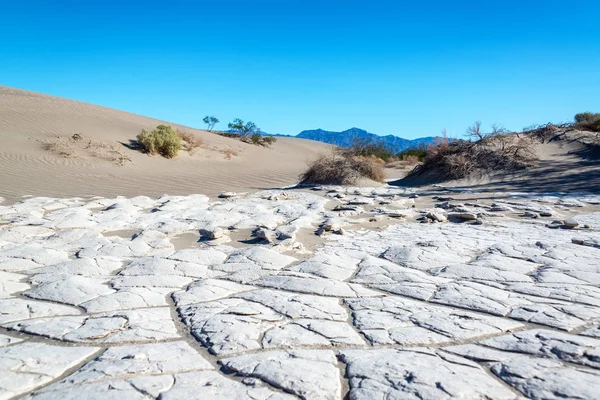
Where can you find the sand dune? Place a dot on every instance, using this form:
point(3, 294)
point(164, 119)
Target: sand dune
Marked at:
point(28, 120)
point(564, 164)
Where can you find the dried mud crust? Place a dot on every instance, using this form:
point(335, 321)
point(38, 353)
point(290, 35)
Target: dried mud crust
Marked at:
point(97, 302)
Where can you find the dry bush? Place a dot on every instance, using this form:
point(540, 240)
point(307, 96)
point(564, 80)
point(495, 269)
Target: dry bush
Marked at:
point(547, 132)
point(342, 168)
point(163, 140)
point(230, 153)
point(409, 161)
point(459, 159)
point(190, 142)
point(60, 147)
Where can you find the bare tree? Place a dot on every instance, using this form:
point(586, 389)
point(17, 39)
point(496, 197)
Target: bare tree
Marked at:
point(498, 129)
point(474, 131)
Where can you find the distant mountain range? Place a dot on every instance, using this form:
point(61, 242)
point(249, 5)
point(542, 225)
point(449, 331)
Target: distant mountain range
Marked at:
point(346, 138)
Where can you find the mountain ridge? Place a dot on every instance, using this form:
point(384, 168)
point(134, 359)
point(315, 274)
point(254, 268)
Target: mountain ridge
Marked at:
point(348, 137)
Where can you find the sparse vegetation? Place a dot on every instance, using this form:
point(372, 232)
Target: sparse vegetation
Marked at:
point(342, 167)
point(259, 140)
point(269, 140)
point(413, 154)
point(190, 142)
point(366, 148)
point(485, 152)
point(588, 121)
point(163, 140)
point(210, 122)
point(255, 138)
point(248, 132)
point(229, 153)
point(77, 145)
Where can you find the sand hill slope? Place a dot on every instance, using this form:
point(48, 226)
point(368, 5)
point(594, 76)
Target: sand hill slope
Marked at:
point(30, 121)
point(568, 162)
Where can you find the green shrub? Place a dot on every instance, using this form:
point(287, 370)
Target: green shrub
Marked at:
point(366, 148)
point(163, 140)
point(256, 138)
point(418, 152)
point(268, 140)
point(588, 120)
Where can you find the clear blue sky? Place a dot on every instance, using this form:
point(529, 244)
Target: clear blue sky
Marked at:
point(399, 67)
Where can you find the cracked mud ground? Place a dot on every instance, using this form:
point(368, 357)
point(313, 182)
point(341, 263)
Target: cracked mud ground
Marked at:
point(111, 299)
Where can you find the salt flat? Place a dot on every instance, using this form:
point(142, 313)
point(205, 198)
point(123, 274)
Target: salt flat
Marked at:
point(343, 294)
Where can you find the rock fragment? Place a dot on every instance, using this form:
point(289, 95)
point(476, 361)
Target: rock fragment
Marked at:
point(570, 223)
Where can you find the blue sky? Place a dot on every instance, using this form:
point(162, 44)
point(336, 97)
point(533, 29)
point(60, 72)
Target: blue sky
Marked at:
point(391, 67)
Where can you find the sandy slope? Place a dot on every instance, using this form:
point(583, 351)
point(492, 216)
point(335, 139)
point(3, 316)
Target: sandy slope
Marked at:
point(28, 120)
point(564, 165)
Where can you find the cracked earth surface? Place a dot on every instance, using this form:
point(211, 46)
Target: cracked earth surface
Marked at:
point(340, 294)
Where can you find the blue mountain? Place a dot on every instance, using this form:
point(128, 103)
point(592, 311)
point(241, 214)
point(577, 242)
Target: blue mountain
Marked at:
point(348, 137)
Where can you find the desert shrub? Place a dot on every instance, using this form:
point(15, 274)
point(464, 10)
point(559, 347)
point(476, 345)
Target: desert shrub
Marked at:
point(492, 153)
point(412, 158)
point(256, 138)
point(413, 153)
point(342, 168)
point(247, 132)
point(269, 140)
point(367, 148)
point(190, 142)
point(163, 140)
point(588, 121)
point(232, 135)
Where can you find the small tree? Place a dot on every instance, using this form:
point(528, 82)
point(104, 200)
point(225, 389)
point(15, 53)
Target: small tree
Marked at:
point(498, 129)
point(474, 131)
point(244, 129)
point(210, 122)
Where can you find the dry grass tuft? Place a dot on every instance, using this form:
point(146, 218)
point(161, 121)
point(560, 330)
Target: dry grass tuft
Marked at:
point(230, 153)
point(76, 145)
point(60, 147)
point(342, 168)
point(190, 142)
